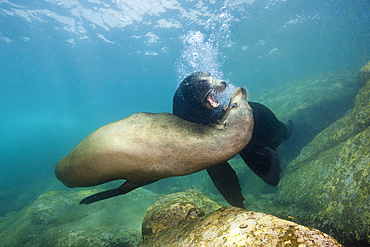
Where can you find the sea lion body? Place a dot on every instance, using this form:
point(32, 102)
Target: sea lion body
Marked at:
point(146, 147)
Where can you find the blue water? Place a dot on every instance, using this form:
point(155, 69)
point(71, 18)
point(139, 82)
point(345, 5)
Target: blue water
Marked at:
point(69, 67)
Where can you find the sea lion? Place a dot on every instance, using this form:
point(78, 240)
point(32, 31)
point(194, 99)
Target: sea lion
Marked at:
point(147, 147)
point(260, 153)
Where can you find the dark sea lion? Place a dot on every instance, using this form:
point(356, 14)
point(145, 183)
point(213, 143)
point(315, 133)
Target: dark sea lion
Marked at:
point(260, 154)
point(147, 147)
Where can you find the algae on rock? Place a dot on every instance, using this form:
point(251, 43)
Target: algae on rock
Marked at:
point(364, 75)
point(328, 185)
point(312, 103)
point(227, 226)
point(56, 219)
point(172, 209)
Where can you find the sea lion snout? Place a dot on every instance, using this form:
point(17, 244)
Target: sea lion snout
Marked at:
point(240, 90)
point(218, 85)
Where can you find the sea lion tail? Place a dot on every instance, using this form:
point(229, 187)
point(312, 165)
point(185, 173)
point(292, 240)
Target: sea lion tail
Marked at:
point(123, 189)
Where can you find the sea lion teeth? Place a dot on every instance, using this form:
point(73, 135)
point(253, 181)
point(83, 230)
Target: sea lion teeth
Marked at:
point(213, 104)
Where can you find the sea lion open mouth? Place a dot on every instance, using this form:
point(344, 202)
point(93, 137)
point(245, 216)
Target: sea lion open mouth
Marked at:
point(210, 101)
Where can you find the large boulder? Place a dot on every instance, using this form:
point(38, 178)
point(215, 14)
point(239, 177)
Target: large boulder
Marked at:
point(57, 219)
point(185, 225)
point(328, 185)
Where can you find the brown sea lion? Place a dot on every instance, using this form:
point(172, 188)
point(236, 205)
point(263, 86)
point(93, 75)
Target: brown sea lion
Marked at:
point(147, 147)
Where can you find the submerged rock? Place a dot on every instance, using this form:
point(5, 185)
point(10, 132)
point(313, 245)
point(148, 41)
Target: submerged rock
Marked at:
point(328, 185)
point(364, 75)
point(56, 219)
point(175, 208)
point(227, 226)
point(312, 103)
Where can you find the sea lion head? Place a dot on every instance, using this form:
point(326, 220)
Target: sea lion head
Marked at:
point(195, 97)
point(238, 108)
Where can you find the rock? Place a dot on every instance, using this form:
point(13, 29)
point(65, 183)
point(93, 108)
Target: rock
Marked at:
point(328, 185)
point(229, 226)
point(175, 208)
point(364, 75)
point(312, 103)
point(15, 198)
point(56, 219)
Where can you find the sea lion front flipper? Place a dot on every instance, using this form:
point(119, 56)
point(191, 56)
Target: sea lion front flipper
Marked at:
point(263, 161)
point(123, 189)
point(227, 183)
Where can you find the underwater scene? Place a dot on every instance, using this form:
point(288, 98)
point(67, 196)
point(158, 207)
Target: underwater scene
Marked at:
point(185, 123)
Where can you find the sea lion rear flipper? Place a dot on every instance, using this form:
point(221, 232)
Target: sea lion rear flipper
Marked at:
point(227, 183)
point(263, 161)
point(123, 189)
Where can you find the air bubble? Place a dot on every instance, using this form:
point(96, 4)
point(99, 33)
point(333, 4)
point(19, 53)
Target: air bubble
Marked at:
point(201, 53)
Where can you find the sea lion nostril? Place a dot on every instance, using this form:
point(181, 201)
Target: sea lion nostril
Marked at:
point(224, 83)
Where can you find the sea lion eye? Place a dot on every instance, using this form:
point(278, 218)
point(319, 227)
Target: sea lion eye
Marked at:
point(234, 105)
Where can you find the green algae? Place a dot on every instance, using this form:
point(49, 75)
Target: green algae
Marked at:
point(327, 185)
point(56, 219)
point(300, 94)
point(230, 226)
point(312, 103)
point(364, 75)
